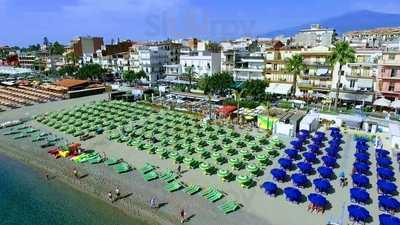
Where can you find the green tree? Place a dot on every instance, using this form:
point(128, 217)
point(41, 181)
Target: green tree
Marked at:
point(218, 83)
point(189, 74)
point(140, 75)
point(342, 54)
point(295, 65)
point(67, 70)
point(213, 47)
point(56, 49)
point(254, 89)
point(129, 76)
point(71, 58)
point(90, 71)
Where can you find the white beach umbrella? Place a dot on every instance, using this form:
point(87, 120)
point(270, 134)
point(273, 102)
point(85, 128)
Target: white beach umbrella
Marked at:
point(395, 104)
point(382, 102)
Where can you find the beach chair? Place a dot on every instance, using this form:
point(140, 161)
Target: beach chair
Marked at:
point(192, 189)
point(122, 167)
point(146, 168)
point(111, 161)
point(95, 160)
point(168, 176)
point(228, 207)
point(173, 186)
point(149, 176)
point(212, 194)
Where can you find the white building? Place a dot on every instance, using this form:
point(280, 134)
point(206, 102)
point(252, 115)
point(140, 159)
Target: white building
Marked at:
point(250, 68)
point(314, 36)
point(358, 79)
point(202, 63)
point(151, 60)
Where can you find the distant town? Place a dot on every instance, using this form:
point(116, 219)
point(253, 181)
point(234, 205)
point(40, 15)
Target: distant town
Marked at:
point(373, 73)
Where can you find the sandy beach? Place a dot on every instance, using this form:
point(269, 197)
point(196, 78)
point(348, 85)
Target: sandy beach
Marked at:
point(257, 208)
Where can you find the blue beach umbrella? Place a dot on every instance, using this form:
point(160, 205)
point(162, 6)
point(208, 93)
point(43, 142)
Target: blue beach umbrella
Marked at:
point(297, 144)
point(360, 180)
point(382, 153)
point(387, 187)
point(322, 185)
point(305, 167)
point(361, 167)
point(361, 157)
point(359, 195)
point(310, 157)
point(386, 219)
point(384, 161)
point(270, 188)
point(329, 161)
point(358, 213)
point(388, 203)
point(278, 174)
point(285, 163)
point(325, 172)
point(318, 200)
point(292, 153)
point(299, 180)
point(385, 173)
point(292, 194)
point(314, 148)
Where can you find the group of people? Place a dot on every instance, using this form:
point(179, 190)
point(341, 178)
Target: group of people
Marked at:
point(117, 195)
point(315, 208)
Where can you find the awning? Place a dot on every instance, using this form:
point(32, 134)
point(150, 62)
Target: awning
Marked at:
point(321, 72)
point(361, 97)
point(280, 89)
point(365, 83)
point(226, 109)
point(395, 104)
point(382, 102)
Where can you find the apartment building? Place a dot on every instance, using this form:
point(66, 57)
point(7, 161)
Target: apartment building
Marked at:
point(358, 79)
point(203, 63)
point(374, 38)
point(250, 67)
point(315, 36)
point(114, 57)
point(317, 78)
point(389, 75)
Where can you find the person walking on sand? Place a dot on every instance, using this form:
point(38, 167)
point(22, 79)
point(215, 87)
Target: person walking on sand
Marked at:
point(178, 170)
point(75, 171)
point(153, 202)
point(117, 193)
point(110, 197)
point(182, 215)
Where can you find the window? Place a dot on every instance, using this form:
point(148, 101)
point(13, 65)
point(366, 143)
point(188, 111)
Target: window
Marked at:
point(352, 83)
point(391, 87)
point(392, 56)
point(393, 73)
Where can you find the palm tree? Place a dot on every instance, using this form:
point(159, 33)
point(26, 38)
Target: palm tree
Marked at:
point(238, 98)
point(342, 54)
point(295, 65)
point(189, 74)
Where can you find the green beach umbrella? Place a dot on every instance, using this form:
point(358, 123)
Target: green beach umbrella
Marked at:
point(223, 174)
point(205, 167)
point(252, 168)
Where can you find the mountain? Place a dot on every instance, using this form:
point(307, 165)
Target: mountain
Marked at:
point(357, 20)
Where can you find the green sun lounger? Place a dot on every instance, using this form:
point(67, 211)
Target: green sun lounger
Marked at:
point(95, 160)
point(173, 186)
point(149, 176)
point(228, 207)
point(168, 176)
point(192, 189)
point(20, 136)
point(38, 138)
point(212, 194)
point(146, 168)
point(31, 130)
point(122, 167)
point(110, 162)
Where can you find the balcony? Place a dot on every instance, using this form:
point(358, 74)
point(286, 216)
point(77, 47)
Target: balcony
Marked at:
point(309, 86)
point(360, 75)
point(315, 77)
point(273, 71)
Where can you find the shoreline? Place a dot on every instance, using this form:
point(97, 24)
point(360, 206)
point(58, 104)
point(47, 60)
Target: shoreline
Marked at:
point(90, 185)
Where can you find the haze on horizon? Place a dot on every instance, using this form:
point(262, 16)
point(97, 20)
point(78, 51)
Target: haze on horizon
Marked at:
point(27, 22)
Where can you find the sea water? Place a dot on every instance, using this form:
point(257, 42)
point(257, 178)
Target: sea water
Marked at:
point(28, 198)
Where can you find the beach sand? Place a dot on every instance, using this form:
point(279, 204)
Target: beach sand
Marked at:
point(258, 208)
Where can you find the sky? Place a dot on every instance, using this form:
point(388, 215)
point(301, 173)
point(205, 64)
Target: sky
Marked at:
point(25, 22)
